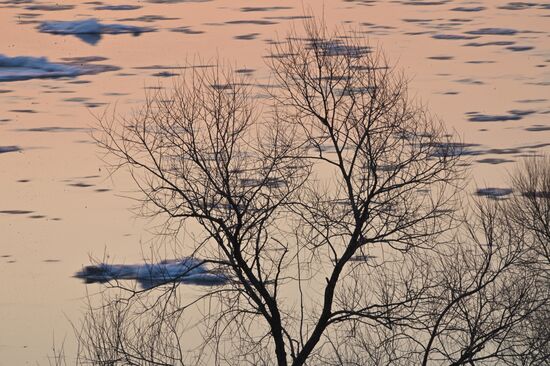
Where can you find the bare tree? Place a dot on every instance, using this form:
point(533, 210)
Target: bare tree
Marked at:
point(330, 205)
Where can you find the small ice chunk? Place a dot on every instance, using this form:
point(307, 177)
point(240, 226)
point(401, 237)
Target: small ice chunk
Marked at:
point(90, 30)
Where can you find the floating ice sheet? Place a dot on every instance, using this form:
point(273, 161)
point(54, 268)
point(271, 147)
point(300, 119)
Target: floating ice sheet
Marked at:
point(187, 270)
point(90, 30)
point(26, 67)
point(23, 68)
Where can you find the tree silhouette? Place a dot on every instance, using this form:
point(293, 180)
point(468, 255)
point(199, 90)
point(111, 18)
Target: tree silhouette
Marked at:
point(329, 200)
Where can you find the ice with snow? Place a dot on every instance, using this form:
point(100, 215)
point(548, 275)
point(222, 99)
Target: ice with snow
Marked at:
point(26, 67)
point(187, 270)
point(90, 30)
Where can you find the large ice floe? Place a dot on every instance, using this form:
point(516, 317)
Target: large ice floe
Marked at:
point(187, 270)
point(23, 68)
point(26, 67)
point(89, 30)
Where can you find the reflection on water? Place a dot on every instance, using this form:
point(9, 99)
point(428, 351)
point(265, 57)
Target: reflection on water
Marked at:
point(477, 65)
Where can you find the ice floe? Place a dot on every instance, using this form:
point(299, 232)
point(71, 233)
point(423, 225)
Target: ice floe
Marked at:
point(26, 67)
point(187, 270)
point(89, 30)
point(23, 68)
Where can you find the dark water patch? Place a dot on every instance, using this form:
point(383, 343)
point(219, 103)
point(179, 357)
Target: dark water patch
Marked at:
point(337, 47)
point(536, 194)
point(470, 81)
point(452, 36)
point(53, 129)
point(79, 82)
point(469, 8)
point(454, 149)
point(59, 91)
point(23, 180)
point(503, 151)
point(520, 48)
point(117, 7)
point(245, 71)
point(494, 161)
point(3, 120)
point(15, 212)
point(101, 190)
point(441, 58)
point(419, 20)
point(172, 67)
point(49, 7)
point(424, 3)
point(485, 44)
point(248, 9)
point(289, 17)
point(37, 216)
point(520, 5)
point(57, 219)
point(80, 185)
point(5, 91)
point(16, 2)
point(493, 192)
point(480, 62)
point(94, 104)
point(8, 149)
point(76, 99)
point(186, 30)
point(252, 21)
point(164, 74)
point(362, 258)
point(28, 15)
point(451, 92)
point(522, 112)
point(494, 118)
point(176, 1)
point(537, 146)
point(51, 261)
point(494, 31)
point(541, 100)
point(23, 111)
point(115, 94)
point(84, 59)
point(538, 128)
point(147, 19)
point(378, 26)
point(247, 37)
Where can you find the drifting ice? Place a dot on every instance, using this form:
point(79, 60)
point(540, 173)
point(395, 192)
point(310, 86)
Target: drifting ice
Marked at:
point(23, 68)
point(89, 30)
point(187, 270)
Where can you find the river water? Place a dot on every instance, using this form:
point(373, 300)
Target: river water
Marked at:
point(481, 66)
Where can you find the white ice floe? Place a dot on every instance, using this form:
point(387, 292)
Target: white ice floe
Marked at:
point(23, 68)
point(89, 30)
point(187, 270)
